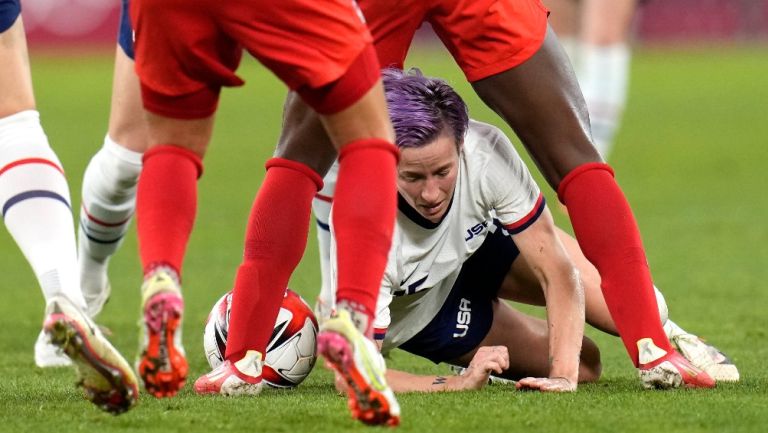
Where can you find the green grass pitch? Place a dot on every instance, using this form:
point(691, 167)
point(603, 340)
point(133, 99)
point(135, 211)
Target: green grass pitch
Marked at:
point(691, 158)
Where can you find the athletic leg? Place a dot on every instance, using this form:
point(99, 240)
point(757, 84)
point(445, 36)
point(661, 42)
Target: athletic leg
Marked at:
point(36, 210)
point(521, 285)
point(601, 217)
point(109, 184)
point(166, 207)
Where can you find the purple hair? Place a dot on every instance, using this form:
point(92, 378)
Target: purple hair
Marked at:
point(421, 108)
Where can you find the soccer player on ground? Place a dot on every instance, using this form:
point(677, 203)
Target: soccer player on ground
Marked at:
point(323, 51)
point(472, 229)
point(36, 210)
point(595, 35)
point(516, 65)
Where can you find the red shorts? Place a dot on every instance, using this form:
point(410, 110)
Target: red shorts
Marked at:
point(186, 50)
point(485, 37)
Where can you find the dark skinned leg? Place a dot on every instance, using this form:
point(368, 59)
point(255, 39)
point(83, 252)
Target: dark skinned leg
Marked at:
point(303, 138)
point(541, 101)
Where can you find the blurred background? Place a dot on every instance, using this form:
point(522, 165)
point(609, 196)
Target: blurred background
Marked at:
point(88, 23)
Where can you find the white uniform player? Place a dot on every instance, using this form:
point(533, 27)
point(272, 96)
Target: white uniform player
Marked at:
point(422, 292)
point(427, 258)
point(472, 230)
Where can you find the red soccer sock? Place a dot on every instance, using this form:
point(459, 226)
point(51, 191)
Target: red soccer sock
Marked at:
point(166, 204)
point(274, 244)
point(608, 235)
point(364, 207)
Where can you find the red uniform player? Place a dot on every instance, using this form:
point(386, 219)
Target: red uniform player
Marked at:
point(185, 52)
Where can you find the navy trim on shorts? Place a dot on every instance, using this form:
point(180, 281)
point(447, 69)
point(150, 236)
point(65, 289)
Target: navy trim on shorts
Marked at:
point(466, 316)
point(125, 32)
point(9, 12)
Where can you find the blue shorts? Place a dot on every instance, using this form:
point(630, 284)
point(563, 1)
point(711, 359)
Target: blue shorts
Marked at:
point(467, 314)
point(9, 11)
point(125, 33)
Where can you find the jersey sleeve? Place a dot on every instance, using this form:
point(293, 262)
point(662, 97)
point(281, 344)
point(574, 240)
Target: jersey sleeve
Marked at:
point(507, 186)
point(383, 317)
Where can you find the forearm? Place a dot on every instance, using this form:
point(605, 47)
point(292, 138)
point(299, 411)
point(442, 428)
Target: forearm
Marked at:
point(565, 319)
point(401, 381)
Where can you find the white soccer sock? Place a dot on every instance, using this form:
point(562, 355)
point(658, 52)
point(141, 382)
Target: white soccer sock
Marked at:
point(109, 201)
point(35, 201)
point(662, 303)
point(670, 328)
point(321, 208)
point(603, 74)
point(673, 330)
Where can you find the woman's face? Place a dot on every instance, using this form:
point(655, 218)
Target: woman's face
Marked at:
point(426, 176)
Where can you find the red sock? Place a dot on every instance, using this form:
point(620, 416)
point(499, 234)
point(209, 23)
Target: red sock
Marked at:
point(364, 207)
point(608, 235)
point(166, 203)
point(274, 244)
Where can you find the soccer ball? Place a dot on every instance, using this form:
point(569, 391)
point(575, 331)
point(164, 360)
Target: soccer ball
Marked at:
point(292, 348)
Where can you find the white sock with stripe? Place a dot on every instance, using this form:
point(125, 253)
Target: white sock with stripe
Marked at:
point(108, 204)
point(35, 201)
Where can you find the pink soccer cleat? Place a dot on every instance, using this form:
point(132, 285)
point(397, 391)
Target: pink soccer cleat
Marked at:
point(239, 378)
point(359, 362)
point(162, 363)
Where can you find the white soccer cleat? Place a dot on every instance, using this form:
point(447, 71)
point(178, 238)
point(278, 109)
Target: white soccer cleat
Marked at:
point(49, 355)
point(105, 376)
point(357, 359)
point(706, 357)
point(234, 379)
point(659, 369)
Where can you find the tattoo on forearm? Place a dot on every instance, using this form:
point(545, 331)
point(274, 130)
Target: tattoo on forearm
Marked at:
point(439, 380)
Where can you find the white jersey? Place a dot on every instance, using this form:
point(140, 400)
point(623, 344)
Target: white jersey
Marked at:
point(426, 258)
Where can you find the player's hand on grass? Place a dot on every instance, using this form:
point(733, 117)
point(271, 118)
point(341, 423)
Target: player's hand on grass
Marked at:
point(546, 384)
point(487, 360)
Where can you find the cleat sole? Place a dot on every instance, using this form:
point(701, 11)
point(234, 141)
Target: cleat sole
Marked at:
point(103, 381)
point(163, 366)
point(366, 404)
